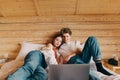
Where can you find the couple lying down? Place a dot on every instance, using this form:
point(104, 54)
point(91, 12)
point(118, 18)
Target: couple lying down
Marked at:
point(62, 51)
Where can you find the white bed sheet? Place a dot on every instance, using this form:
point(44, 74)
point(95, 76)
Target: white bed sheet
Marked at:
point(12, 66)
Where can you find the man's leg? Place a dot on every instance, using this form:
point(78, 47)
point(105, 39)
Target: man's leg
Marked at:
point(32, 61)
point(92, 48)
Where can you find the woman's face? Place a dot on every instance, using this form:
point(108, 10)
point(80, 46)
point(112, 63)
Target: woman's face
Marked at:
point(57, 41)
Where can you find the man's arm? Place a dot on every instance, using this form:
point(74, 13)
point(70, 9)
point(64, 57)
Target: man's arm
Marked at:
point(78, 51)
point(66, 59)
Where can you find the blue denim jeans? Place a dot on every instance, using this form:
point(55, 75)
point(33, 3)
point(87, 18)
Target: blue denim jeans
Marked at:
point(91, 49)
point(33, 68)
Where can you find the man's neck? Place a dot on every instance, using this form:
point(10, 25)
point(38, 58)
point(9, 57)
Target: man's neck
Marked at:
point(67, 42)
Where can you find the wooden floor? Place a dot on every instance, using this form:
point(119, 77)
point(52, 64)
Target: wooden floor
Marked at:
point(112, 67)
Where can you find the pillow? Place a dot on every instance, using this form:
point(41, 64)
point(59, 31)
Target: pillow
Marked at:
point(26, 47)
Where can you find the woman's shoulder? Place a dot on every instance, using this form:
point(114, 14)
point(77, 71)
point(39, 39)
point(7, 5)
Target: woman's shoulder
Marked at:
point(48, 46)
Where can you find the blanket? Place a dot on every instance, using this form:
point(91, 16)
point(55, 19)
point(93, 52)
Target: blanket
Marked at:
point(10, 67)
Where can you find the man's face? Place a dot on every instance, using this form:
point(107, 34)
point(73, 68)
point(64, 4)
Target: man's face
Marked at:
point(66, 37)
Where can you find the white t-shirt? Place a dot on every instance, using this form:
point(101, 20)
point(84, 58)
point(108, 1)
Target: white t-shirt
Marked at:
point(49, 56)
point(70, 47)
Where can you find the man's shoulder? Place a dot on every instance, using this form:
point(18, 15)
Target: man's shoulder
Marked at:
point(75, 42)
point(70, 44)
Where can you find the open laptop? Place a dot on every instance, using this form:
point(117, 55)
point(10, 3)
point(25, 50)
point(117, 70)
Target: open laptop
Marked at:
point(69, 72)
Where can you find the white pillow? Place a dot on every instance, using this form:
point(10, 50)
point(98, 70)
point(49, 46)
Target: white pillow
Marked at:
point(26, 47)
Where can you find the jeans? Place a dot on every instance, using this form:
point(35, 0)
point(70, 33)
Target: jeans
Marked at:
point(33, 68)
point(91, 49)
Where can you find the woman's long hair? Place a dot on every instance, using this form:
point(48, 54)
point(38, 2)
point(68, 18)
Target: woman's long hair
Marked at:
point(54, 37)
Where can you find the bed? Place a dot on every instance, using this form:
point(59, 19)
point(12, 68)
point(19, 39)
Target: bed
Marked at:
point(13, 65)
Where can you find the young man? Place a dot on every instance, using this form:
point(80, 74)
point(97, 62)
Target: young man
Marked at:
point(73, 53)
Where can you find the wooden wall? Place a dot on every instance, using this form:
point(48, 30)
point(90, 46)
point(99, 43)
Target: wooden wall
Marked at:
point(15, 30)
point(38, 20)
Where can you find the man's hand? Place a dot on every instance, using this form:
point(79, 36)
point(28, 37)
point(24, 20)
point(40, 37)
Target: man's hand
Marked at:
point(68, 58)
point(78, 51)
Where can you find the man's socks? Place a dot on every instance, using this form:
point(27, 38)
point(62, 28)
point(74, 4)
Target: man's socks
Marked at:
point(101, 69)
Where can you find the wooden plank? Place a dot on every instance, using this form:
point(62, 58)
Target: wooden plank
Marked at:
point(98, 7)
point(20, 40)
point(57, 7)
point(2, 13)
point(96, 33)
point(110, 47)
point(26, 34)
point(12, 47)
point(76, 33)
point(18, 8)
point(102, 40)
point(107, 55)
point(58, 26)
point(84, 19)
point(36, 2)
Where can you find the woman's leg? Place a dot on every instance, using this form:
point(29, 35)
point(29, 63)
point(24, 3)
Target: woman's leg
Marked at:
point(32, 61)
point(39, 74)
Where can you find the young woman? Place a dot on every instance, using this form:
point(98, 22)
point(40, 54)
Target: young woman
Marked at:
point(36, 62)
point(51, 50)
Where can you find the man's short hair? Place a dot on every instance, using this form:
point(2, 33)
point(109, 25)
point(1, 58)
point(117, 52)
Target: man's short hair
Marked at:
point(66, 30)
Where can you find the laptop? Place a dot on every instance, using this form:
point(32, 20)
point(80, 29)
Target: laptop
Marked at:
point(69, 72)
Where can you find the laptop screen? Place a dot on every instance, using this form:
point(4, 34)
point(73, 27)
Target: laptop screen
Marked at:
point(69, 72)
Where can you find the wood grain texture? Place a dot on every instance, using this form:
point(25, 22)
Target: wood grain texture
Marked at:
point(12, 34)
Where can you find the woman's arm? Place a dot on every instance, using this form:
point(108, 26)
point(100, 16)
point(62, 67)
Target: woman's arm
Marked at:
point(48, 46)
